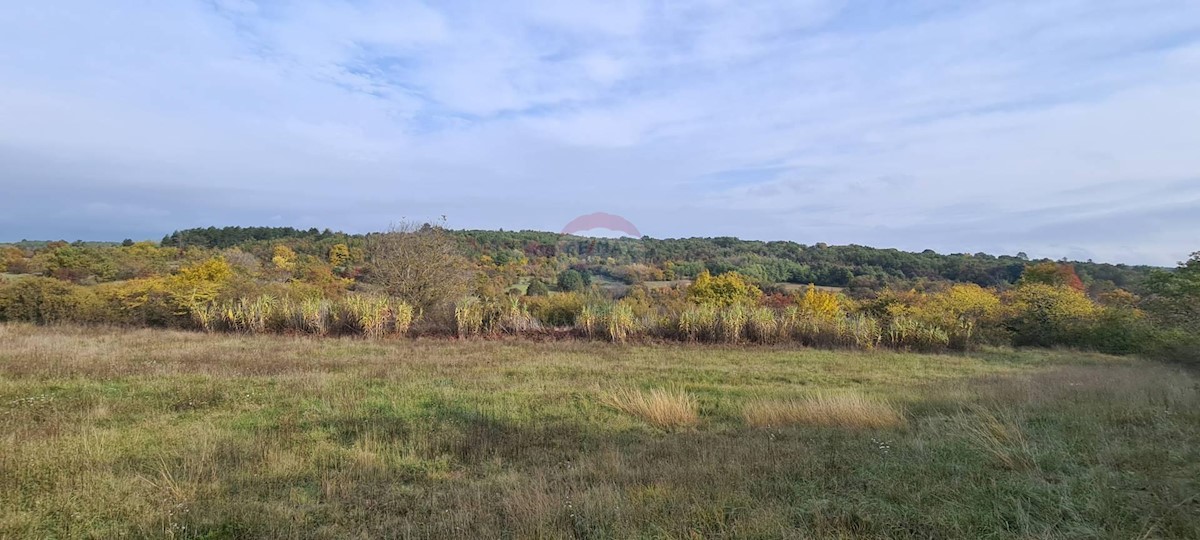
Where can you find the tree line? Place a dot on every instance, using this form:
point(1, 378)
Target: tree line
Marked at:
point(425, 279)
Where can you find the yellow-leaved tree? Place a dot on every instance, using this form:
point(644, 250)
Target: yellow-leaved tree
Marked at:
point(960, 310)
point(818, 304)
point(724, 290)
point(1046, 315)
point(339, 255)
point(197, 285)
point(284, 258)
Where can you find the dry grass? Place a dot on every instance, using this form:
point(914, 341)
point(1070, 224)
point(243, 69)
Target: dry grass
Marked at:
point(108, 433)
point(1000, 436)
point(664, 408)
point(836, 410)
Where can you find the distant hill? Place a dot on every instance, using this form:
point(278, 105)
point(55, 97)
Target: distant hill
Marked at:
point(643, 259)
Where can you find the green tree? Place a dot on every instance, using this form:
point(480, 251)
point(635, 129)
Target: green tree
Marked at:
point(572, 280)
point(537, 288)
point(1175, 296)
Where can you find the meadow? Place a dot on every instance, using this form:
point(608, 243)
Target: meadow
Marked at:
point(108, 433)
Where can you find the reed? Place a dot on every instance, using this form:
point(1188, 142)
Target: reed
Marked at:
point(468, 318)
point(315, 316)
point(762, 325)
point(732, 323)
point(619, 322)
point(590, 319)
point(698, 323)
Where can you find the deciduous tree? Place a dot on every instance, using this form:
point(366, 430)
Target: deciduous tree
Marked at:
point(420, 265)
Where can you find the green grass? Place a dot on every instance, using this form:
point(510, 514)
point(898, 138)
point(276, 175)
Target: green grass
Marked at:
point(150, 433)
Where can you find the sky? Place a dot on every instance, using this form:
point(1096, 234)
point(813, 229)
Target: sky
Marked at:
point(1060, 128)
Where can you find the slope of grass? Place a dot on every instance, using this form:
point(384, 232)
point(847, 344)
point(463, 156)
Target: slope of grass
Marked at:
point(146, 433)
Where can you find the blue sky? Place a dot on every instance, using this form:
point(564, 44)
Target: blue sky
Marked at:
point(1062, 128)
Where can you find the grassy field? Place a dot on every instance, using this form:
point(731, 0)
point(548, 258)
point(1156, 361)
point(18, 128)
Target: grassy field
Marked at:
point(148, 433)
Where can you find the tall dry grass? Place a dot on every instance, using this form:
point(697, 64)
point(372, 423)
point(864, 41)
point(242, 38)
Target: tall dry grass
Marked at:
point(848, 410)
point(664, 408)
point(1000, 436)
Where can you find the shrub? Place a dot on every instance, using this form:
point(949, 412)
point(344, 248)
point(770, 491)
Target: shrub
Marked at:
point(39, 300)
point(148, 302)
point(820, 304)
point(1047, 315)
point(420, 265)
point(1173, 345)
point(196, 285)
point(667, 409)
point(556, 310)
point(537, 287)
point(960, 310)
point(724, 290)
point(1117, 330)
point(573, 281)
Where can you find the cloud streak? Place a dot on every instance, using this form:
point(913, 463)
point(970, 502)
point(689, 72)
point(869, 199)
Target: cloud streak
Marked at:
point(1059, 128)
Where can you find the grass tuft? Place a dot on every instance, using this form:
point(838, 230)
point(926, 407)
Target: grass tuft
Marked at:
point(667, 409)
point(1000, 436)
point(837, 410)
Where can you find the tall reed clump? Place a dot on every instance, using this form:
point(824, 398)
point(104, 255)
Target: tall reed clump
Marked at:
point(241, 315)
point(510, 316)
point(366, 315)
point(762, 325)
point(664, 408)
point(205, 316)
point(847, 410)
point(698, 323)
point(811, 330)
point(313, 316)
point(257, 313)
point(403, 315)
point(619, 322)
point(860, 331)
point(372, 316)
point(908, 333)
point(590, 319)
point(468, 318)
point(732, 322)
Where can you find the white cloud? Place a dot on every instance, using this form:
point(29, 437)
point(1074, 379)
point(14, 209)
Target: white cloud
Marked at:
point(994, 126)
